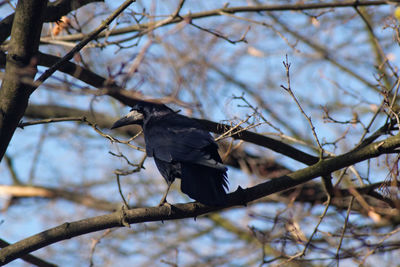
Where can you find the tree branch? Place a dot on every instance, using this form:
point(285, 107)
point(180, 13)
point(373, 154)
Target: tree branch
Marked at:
point(14, 94)
point(30, 258)
point(22, 191)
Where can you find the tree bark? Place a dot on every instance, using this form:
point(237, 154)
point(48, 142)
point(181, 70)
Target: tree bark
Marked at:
point(20, 67)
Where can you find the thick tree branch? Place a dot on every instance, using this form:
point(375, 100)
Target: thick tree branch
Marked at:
point(261, 140)
point(192, 210)
point(14, 94)
point(311, 192)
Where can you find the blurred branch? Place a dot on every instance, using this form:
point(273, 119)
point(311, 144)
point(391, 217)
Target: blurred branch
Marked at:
point(38, 151)
point(192, 210)
point(74, 70)
point(94, 245)
point(344, 229)
point(20, 191)
point(245, 235)
point(312, 192)
point(380, 56)
point(12, 170)
point(56, 112)
point(378, 245)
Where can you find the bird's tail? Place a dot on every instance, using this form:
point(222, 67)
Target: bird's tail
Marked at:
point(204, 184)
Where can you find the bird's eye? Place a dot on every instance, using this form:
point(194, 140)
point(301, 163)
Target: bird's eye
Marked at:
point(138, 108)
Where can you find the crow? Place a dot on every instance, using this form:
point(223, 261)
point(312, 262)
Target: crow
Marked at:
point(182, 149)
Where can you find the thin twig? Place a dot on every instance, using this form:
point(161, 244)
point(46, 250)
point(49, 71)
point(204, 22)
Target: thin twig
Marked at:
point(120, 191)
point(394, 101)
point(113, 139)
point(344, 229)
point(255, 111)
point(36, 155)
point(83, 119)
point(366, 129)
point(303, 252)
point(220, 35)
point(265, 25)
point(138, 166)
point(288, 89)
point(236, 129)
point(12, 170)
point(175, 17)
point(96, 241)
point(51, 120)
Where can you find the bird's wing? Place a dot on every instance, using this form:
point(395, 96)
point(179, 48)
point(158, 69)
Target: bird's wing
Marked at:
point(178, 138)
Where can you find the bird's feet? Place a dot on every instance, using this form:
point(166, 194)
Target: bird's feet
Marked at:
point(164, 202)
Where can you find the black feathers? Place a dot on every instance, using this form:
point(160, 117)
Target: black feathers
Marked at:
point(181, 149)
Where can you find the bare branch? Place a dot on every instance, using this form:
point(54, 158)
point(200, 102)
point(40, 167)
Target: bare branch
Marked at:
point(344, 229)
point(30, 258)
point(286, 64)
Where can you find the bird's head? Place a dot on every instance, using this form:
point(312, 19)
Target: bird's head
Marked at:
point(140, 112)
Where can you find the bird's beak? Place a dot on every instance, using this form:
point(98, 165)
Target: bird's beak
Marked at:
point(132, 117)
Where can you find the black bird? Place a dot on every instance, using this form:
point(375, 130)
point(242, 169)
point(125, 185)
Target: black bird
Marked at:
point(183, 149)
